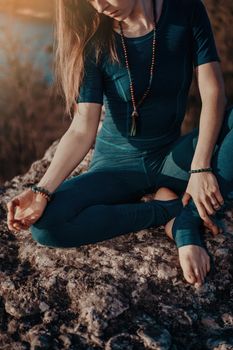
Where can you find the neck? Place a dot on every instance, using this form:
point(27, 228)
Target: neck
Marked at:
point(141, 18)
point(142, 14)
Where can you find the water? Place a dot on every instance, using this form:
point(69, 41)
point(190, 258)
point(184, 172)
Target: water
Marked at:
point(36, 34)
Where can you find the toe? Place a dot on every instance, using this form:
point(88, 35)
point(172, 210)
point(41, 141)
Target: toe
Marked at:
point(190, 278)
point(198, 275)
point(203, 272)
point(203, 268)
point(189, 275)
point(207, 266)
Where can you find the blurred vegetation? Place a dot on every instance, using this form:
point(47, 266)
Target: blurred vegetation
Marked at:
point(32, 115)
point(35, 5)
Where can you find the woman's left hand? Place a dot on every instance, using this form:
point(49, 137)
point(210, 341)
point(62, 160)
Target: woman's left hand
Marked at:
point(203, 188)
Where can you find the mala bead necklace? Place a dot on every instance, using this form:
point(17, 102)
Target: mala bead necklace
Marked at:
point(135, 114)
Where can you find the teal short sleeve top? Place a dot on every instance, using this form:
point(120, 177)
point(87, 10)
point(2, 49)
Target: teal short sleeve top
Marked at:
point(184, 40)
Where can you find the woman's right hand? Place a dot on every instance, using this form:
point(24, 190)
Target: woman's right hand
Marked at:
point(25, 209)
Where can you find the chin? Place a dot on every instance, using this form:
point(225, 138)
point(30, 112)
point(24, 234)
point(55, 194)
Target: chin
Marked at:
point(119, 17)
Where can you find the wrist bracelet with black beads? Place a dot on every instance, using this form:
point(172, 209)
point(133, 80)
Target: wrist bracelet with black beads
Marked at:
point(38, 189)
point(201, 170)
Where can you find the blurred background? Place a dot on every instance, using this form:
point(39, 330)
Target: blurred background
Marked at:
point(31, 115)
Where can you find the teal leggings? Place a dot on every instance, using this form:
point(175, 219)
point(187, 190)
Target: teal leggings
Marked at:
point(104, 202)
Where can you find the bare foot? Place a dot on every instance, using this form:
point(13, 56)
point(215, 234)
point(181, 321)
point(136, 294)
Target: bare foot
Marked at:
point(195, 263)
point(194, 260)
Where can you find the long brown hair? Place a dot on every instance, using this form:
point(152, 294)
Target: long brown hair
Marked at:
point(78, 24)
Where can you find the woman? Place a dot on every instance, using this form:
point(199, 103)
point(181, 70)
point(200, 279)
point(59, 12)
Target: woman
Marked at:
point(138, 58)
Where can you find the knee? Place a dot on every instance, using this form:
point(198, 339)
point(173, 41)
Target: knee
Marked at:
point(45, 237)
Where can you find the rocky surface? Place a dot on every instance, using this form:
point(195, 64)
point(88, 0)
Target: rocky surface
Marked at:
point(127, 293)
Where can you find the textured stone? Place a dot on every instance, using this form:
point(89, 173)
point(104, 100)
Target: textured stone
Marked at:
point(124, 293)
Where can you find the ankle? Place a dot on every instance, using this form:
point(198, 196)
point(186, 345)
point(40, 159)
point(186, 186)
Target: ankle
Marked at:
point(168, 228)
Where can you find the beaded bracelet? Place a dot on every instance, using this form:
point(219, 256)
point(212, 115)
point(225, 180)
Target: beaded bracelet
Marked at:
point(43, 191)
point(201, 170)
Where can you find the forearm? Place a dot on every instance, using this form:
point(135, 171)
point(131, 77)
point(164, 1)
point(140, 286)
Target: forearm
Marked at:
point(211, 119)
point(70, 151)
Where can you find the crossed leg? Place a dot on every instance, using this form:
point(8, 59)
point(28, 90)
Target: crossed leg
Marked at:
point(99, 205)
point(186, 228)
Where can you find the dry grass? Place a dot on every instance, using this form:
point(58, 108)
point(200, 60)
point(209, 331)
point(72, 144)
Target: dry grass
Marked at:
point(31, 114)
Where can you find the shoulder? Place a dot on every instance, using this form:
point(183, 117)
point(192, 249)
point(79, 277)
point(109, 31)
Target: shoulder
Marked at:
point(184, 8)
point(90, 54)
point(192, 10)
point(198, 6)
point(188, 6)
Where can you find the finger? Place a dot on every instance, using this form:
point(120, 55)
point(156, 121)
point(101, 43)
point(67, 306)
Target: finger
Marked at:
point(16, 226)
point(11, 227)
point(185, 199)
point(26, 223)
point(219, 197)
point(20, 226)
point(214, 201)
point(208, 206)
point(203, 214)
point(9, 221)
point(11, 208)
point(214, 229)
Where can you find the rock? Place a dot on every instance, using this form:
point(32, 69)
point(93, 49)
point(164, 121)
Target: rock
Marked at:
point(66, 340)
point(210, 323)
point(101, 305)
point(155, 338)
point(39, 337)
point(165, 272)
point(125, 293)
point(124, 341)
point(228, 319)
point(219, 344)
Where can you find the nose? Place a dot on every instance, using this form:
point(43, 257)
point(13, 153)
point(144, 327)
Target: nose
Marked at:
point(101, 5)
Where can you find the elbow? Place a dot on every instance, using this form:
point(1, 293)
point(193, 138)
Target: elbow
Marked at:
point(223, 99)
point(215, 94)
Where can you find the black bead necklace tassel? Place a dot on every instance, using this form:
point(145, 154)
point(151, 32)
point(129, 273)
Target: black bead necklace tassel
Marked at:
point(135, 114)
